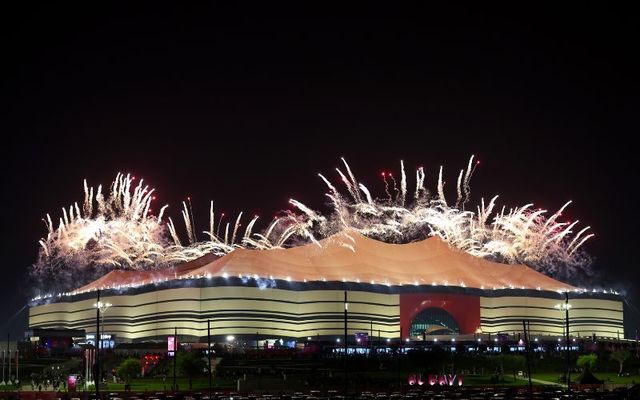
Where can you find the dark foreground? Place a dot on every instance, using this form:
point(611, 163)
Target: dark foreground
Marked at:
point(430, 393)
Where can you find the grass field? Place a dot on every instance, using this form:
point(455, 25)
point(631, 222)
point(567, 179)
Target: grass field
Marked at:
point(152, 385)
point(485, 380)
point(158, 384)
point(608, 377)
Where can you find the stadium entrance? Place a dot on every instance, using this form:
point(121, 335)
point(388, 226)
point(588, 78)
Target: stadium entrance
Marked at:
point(433, 321)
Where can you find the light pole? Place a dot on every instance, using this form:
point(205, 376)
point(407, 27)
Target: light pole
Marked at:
point(527, 338)
point(175, 355)
point(371, 339)
point(17, 367)
point(96, 373)
point(346, 309)
point(8, 360)
point(566, 307)
point(209, 352)
point(101, 309)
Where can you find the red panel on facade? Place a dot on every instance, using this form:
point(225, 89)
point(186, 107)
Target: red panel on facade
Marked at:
point(463, 308)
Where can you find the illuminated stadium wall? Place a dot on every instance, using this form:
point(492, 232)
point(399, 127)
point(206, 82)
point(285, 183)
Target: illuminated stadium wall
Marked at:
point(600, 315)
point(298, 310)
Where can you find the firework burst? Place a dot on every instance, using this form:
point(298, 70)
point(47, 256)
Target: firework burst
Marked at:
point(520, 235)
point(120, 231)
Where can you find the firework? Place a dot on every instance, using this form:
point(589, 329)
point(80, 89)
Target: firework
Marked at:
point(521, 235)
point(120, 231)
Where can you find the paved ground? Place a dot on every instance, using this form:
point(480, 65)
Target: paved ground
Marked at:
point(544, 382)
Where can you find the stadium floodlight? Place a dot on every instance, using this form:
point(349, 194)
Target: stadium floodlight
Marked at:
point(102, 306)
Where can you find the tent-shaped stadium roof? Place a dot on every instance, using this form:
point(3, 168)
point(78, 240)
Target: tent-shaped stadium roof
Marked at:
point(352, 257)
point(126, 278)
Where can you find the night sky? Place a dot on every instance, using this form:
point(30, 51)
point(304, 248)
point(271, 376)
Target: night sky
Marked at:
point(245, 105)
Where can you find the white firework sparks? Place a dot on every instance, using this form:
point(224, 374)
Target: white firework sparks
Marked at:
point(120, 231)
point(521, 235)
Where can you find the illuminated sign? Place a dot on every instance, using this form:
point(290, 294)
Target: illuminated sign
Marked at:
point(107, 340)
point(104, 336)
point(171, 345)
point(436, 379)
point(71, 383)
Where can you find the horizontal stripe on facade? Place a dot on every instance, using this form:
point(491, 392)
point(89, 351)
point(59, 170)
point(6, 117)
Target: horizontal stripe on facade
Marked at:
point(550, 308)
point(331, 286)
point(339, 303)
point(209, 314)
point(550, 319)
point(248, 317)
point(547, 323)
point(127, 332)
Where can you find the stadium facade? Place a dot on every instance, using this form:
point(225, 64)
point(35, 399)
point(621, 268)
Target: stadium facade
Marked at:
point(410, 290)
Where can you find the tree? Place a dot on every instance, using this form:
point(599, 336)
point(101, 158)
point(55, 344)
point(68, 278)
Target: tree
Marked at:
point(513, 363)
point(587, 361)
point(128, 369)
point(621, 355)
point(190, 365)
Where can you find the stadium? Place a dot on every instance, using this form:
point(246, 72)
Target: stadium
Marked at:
point(415, 291)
